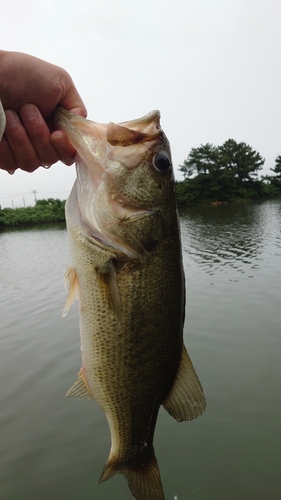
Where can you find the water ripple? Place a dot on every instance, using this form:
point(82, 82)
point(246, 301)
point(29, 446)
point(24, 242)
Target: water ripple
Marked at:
point(237, 236)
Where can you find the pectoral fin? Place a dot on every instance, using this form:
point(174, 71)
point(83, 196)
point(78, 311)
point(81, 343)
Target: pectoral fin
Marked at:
point(80, 388)
point(71, 281)
point(185, 399)
point(108, 278)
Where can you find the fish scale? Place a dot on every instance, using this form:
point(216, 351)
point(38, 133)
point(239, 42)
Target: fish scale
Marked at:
point(126, 270)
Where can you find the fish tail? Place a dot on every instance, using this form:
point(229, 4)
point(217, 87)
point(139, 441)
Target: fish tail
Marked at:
point(144, 481)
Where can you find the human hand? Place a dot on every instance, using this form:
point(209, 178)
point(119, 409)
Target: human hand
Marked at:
point(30, 90)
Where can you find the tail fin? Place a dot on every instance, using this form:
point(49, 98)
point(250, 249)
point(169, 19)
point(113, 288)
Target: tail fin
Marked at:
point(144, 481)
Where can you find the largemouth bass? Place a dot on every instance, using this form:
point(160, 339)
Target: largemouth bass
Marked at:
point(128, 276)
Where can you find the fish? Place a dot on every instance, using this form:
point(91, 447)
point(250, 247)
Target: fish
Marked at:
point(127, 274)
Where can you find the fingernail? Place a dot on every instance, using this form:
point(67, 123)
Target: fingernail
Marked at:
point(28, 111)
point(11, 118)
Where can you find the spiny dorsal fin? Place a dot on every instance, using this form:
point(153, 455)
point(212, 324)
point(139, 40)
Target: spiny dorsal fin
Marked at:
point(80, 388)
point(72, 286)
point(185, 399)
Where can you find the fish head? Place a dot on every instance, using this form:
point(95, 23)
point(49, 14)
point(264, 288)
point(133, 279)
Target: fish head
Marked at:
point(125, 181)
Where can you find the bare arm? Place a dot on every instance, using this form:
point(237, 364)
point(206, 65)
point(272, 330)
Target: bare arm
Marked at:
point(30, 90)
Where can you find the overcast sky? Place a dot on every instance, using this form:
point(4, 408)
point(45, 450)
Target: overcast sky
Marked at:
point(212, 68)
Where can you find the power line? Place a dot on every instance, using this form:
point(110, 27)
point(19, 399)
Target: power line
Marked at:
point(22, 193)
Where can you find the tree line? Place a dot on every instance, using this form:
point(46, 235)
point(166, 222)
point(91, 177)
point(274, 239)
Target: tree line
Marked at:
point(211, 174)
point(50, 210)
point(225, 173)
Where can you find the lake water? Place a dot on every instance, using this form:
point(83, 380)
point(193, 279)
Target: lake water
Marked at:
point(52, 447)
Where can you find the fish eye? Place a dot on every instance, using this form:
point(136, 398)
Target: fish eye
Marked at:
point(161, 161)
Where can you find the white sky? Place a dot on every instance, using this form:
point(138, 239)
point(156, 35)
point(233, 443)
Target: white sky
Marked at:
point(212, 67)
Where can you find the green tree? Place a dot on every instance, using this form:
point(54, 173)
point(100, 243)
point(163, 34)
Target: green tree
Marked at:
point(275, 180)
point(277, 170)
point(51, 210)
point(221, 173)
point(202, 160)
point(240, 159)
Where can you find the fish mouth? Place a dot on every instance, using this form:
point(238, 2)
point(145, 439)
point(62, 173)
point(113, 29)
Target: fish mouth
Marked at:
point(101, 148)
point(87, 138)
point(95, 141)
point(146, 128)
point(90, 138)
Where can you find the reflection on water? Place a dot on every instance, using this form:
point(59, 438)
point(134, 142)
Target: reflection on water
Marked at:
point(235, 237)
point(52, 447)
point(27, 252)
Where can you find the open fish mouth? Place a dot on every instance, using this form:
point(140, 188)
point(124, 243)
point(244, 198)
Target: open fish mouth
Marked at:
point(104, 150)
point(93, 140)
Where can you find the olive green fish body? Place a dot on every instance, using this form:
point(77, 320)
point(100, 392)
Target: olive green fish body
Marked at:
point(127, 274)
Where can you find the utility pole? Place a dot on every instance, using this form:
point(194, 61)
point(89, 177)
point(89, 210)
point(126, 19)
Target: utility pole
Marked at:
point(24, 202)
point(34, 192)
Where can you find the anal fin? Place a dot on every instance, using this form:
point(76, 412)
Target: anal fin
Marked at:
point(80, 388)
point(185, 400)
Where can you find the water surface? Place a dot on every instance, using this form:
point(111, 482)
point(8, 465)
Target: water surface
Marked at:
point(54, 447)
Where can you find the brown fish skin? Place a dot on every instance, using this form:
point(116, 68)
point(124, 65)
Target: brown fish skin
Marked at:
point(127, 273)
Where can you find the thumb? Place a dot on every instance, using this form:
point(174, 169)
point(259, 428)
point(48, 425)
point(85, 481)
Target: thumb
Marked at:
point(73, 102)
